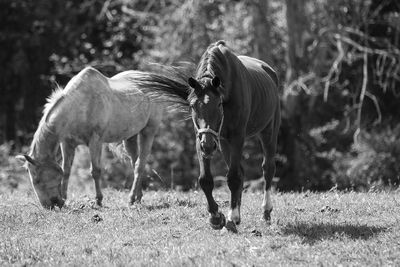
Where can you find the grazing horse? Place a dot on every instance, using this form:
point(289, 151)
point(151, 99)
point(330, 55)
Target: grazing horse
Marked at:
point(232, 98)
point(92, 110)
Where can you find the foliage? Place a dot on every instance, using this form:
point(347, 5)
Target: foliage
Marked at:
point(350, 59)
point(346, 83)
point(373, 162)
point(11, 173)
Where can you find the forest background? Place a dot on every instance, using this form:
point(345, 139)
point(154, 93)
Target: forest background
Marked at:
point(338, 64)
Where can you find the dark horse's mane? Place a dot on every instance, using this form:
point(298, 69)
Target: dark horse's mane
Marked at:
point(212, 62)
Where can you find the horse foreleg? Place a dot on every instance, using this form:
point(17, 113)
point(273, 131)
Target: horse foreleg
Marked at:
point(131, 147)
point(217, 219)
point(235, 183)
point(146, 137)
point(67, 151)
point(95, 148)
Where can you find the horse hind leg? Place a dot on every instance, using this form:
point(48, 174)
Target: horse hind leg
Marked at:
point(67, 152)
point(146, 138)
point(95, 148)
point(131, 147)
point(268, 140)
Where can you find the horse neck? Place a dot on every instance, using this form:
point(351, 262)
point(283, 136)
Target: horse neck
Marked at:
point(45, 143)
point(233, 71)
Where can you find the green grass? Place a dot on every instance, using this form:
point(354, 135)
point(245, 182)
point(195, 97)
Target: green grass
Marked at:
point(171, 229)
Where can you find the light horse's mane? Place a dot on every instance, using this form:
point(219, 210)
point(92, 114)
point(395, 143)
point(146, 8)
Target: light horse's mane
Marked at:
point(44, 131)
point(53, 100)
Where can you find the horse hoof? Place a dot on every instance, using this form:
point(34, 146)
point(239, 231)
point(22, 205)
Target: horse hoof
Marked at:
point(218, 222)
point(267, 216)
point(231, 227)
point(99, 202)
point(131, 203)
point(134, 200)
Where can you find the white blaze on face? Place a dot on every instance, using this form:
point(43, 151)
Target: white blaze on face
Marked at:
point(267, 203)
point(206, 99)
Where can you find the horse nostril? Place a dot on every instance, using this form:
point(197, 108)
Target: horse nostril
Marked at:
point(207, 148)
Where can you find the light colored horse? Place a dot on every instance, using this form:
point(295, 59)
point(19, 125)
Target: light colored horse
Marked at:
point(92, 110)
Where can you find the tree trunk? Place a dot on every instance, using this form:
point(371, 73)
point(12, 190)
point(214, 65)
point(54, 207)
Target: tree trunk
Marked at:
point(293, 102)
point(262, 31)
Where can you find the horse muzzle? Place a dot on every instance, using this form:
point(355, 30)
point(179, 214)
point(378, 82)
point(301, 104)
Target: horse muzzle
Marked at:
point(208, 149)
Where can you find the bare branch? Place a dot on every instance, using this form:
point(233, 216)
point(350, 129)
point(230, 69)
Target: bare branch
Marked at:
point(378, 110)
point(362, 95)
point(300, 82)
point(104, 11)
point(334, 68)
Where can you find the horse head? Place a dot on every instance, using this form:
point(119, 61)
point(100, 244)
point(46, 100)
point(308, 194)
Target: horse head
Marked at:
point(207, 113)
point(46, 177)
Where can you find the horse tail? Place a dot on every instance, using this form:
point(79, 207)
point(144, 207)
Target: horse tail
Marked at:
point(220, 42)
point(271, 72)
point(118, 150)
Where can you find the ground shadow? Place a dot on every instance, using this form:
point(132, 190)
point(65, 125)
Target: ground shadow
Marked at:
point(315, 232)
point(159, 206)
point(180, 203)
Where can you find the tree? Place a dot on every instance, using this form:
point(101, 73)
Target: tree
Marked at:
point(262, 31)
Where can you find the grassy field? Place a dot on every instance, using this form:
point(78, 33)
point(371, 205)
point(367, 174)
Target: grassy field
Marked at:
point(171, 229)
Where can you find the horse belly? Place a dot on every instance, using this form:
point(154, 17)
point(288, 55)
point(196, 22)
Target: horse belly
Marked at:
point(262, 112)
point(264, 101)
point(124, 124)
point(258, 122)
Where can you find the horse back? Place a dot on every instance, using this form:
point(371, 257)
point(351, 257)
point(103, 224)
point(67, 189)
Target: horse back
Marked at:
point(256, 66)
point(109, 107)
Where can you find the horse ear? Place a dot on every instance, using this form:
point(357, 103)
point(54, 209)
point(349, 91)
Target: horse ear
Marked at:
point(215, 82)
point(192, 83)
point(27, 158)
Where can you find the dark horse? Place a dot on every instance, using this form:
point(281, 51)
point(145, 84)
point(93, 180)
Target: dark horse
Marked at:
point(231, 98)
